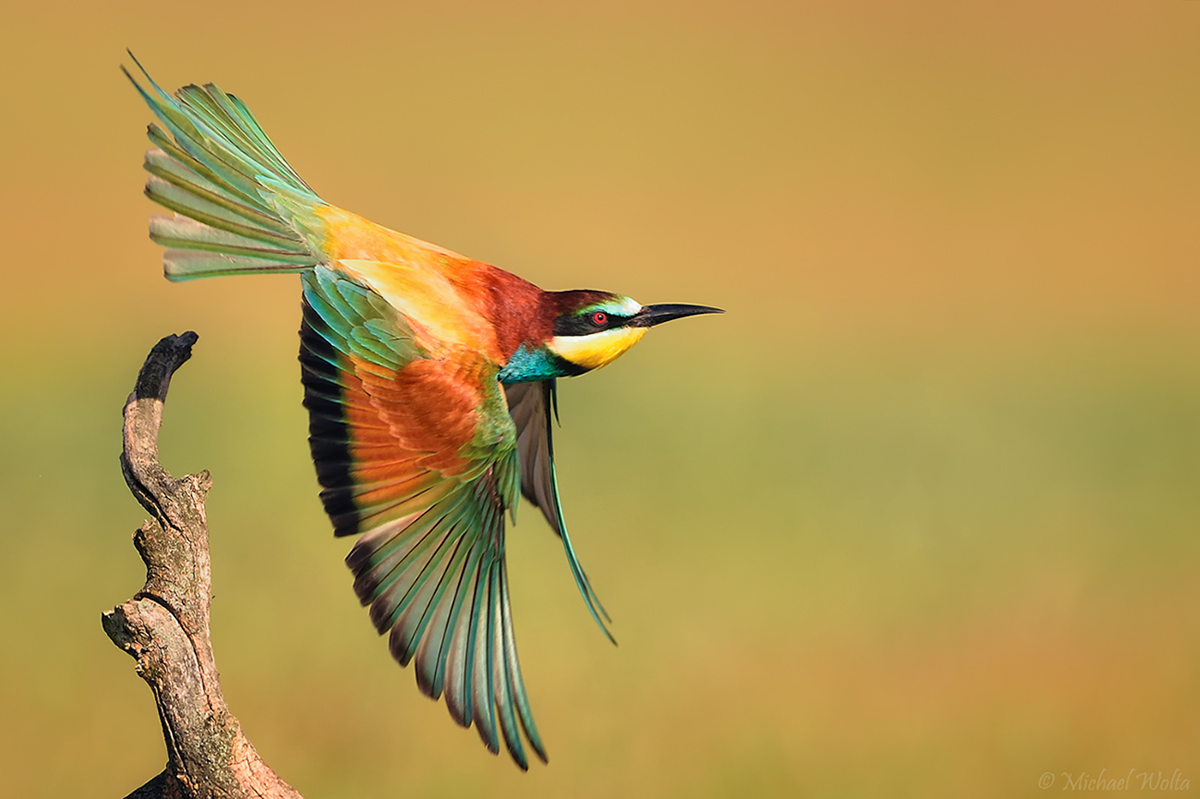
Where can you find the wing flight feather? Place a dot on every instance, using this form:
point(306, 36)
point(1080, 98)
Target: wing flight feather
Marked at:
point(418, 455)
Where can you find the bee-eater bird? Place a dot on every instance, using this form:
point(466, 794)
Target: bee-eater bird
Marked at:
point(430, 382)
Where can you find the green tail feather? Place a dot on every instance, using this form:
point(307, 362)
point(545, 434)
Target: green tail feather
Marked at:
point(240, 207)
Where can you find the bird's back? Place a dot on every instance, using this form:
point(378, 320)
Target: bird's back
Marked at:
point(449, 298)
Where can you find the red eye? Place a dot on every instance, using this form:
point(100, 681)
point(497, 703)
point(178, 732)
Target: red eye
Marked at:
point(599, 318)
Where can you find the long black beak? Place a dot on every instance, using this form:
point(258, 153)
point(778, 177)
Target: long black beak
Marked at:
point(652, 315)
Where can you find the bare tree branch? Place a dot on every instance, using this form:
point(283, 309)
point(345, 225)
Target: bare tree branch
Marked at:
point(165, 627)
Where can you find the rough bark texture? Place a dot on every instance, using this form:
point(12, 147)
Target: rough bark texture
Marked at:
point(165, 627)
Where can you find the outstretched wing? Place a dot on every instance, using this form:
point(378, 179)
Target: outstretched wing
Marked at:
point(419, 455)
point(531, 405)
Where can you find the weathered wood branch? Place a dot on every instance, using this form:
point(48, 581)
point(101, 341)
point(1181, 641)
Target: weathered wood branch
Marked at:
point(165, 627)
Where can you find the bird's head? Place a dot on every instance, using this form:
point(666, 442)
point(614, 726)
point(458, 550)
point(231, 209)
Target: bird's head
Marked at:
point(593, 328)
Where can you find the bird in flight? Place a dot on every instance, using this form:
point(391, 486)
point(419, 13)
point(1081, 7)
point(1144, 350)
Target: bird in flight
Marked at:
point(429, 379)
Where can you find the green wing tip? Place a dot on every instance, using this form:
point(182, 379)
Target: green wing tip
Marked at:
point(150, 101)
point(141, 68)
point(136, 85)
point(594, 606)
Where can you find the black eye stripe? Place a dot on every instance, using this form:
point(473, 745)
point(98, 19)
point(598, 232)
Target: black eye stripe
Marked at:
point(585, 324)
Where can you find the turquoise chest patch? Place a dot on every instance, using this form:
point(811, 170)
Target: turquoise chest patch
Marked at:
point(526, 365)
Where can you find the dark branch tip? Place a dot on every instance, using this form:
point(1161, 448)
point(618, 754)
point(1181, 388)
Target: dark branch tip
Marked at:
point(164, 359)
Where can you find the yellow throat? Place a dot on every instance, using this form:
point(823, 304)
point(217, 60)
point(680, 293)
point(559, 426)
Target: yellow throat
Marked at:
point(597, 349)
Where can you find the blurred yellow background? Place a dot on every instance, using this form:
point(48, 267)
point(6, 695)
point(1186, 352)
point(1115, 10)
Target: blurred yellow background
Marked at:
point(917, 517)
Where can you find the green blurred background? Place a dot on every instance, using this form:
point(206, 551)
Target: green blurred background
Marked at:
point(917, 517)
